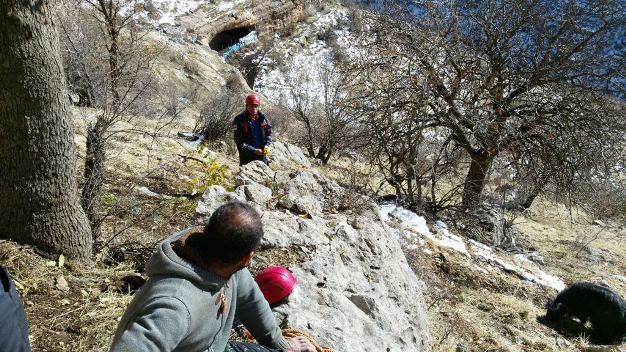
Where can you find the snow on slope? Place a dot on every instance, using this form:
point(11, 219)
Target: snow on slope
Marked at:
point(302, 62)
point(167, 10)
point(416, 232)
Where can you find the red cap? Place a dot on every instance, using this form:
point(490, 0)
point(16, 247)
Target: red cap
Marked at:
point(276, 283)
point(253, 99)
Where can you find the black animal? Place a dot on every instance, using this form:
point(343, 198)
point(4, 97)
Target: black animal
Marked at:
point(601, 306)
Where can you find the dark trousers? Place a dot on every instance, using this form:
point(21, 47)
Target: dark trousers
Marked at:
point(236, 346)
point(13, 324)
point(247, 157)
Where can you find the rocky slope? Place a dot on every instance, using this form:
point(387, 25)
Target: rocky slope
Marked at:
point(356, 290)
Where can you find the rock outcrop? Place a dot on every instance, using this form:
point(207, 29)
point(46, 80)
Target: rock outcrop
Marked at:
point(288, 154)
point(356, 290)
point(268, 15)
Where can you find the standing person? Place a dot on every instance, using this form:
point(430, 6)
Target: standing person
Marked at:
point(198, 281)
point(13, 324)
point(252, 132)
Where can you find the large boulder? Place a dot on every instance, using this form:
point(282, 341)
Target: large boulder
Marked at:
point(254, 172)
point(288, 155)
point(359, 293)
point(356, 289)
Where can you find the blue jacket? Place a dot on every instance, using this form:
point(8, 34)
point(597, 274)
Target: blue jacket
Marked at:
point(243, 132)
point(13, 324)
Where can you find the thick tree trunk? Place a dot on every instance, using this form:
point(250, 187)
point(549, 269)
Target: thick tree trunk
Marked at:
point(94, 174)
point(475, 179)
point(38, 200)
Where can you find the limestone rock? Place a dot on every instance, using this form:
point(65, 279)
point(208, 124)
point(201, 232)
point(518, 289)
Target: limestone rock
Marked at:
point(62, 284)
point(257, 193)
point(285, 154)
point(254, 172)
point(213, 197)
point(303, 194)
point(363, 299)
point(283, 229)
point(356, 289)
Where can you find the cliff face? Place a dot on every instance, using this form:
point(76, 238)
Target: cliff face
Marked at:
point(209, 21)
point(356, 290)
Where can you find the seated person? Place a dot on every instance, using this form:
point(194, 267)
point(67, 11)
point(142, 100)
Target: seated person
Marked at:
point(198, 280)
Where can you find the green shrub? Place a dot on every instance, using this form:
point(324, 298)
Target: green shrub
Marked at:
point(212, 174)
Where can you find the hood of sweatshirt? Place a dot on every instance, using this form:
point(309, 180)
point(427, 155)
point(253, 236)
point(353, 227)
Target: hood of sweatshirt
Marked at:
point(165, 261)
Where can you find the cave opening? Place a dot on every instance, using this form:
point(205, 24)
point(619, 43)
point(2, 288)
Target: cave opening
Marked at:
point(230, 37)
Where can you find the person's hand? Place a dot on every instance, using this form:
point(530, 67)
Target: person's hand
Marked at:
point(258, 151)
point(300, 344)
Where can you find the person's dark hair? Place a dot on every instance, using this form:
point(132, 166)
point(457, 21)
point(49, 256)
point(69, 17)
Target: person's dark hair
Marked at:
point(234, 230)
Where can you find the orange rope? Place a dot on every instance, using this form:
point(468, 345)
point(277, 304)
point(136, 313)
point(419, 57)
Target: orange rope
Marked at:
point(289, 333)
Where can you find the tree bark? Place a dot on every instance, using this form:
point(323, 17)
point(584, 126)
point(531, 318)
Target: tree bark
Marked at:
point(94, 174)
point(535, 190)
point(476, 177)
point(39, 204)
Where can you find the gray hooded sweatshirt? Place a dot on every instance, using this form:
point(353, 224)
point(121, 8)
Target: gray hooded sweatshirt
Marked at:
point(178, 309)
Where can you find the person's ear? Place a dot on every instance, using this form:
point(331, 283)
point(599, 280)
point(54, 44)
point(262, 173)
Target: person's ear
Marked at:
point(247, 259)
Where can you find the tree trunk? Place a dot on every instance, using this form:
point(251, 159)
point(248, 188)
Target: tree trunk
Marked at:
point(38, 200)
point(94, 174)
point(475, 179)
point(536, 189)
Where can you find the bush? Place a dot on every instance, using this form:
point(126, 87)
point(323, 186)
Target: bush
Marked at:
point(213, 174)
point(191, 67)
point(216, 116)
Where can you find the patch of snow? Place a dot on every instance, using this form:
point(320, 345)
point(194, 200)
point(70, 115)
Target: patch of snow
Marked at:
point(305, 66)
point(444, 238)
point(416, 225)
point(147, 192)
point(520, 258)
point(193, 145)
point(482, 270)
point(168, 10)
point(225, 5)
point(411, 220)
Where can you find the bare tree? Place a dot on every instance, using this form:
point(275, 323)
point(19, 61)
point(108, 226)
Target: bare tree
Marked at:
point(506, 78)
point(329, 125)
point(38, 199)
point(113, 73)
point(411, 151)
point(216, 116)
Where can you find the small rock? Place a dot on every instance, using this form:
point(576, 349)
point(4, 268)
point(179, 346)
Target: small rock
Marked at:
point(599, 223)
point(62, 284)
point(536, 257)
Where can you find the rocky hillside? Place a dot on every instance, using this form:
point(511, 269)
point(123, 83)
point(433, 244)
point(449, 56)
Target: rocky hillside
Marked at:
point(356, 290)
point(371, 277)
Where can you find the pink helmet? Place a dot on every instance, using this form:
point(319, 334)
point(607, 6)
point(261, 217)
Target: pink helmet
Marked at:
point(253, 99)
point(276, 283)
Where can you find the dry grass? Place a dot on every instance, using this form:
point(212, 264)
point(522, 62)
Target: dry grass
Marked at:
point(473, 311)
point(81, 319)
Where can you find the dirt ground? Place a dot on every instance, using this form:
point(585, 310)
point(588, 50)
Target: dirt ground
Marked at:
point(470, 310)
